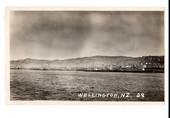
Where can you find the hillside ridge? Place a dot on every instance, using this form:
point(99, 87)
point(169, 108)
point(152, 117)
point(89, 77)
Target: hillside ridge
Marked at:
point(94, 63)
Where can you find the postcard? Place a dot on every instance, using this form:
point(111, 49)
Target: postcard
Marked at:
point(85, 55)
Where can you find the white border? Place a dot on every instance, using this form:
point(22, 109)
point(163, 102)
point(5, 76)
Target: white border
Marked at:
point(90, 111)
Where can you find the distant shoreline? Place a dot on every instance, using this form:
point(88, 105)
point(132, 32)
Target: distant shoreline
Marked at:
point(145, 64)
point(90, 70)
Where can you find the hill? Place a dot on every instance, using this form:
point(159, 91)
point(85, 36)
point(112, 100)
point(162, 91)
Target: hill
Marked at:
point(95, 63)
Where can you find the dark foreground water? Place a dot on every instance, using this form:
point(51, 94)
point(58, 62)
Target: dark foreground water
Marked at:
point(86, 86)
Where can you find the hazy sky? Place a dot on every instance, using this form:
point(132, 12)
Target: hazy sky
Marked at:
point(69, 34)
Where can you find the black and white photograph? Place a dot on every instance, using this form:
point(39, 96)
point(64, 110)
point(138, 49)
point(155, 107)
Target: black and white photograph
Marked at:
point(86, 55)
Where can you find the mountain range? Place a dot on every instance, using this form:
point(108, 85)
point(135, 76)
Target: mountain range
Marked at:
point(94, 63)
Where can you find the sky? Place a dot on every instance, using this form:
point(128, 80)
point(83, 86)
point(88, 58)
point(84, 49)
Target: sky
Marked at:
point(71, 34)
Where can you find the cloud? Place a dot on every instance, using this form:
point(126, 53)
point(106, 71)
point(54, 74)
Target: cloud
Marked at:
point(67, 34)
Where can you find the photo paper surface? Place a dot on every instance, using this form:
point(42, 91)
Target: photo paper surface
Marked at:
point(86, 55)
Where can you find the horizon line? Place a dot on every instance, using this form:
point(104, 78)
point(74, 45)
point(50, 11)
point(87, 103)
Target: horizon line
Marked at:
point(81, 57)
